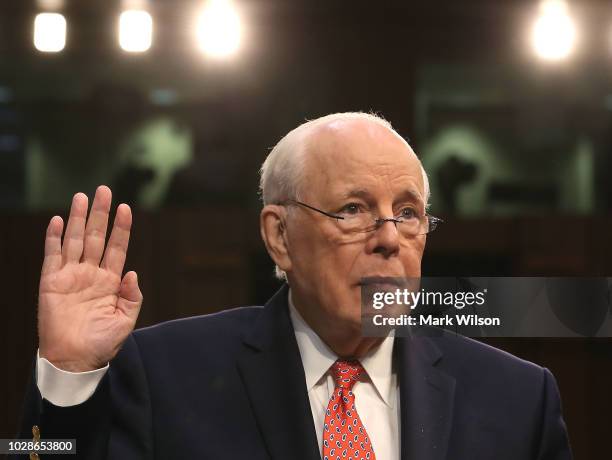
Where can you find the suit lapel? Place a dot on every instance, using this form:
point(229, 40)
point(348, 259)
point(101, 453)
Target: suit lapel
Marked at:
point(273, 375)
point(426, 399)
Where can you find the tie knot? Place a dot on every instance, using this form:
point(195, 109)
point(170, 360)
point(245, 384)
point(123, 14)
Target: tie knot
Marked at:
point(346, 373)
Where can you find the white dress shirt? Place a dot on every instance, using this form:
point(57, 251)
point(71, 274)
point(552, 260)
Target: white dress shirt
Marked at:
point(376, 394)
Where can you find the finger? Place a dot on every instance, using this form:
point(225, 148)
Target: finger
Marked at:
point(97, 224)
point(116, 250)
point(130, 297)
point(53, 246)
point(72, 247)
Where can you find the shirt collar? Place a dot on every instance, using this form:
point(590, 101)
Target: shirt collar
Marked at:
point(378, 363)
point(317, 358)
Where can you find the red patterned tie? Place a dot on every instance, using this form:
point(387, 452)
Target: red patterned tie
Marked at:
point(344, 436)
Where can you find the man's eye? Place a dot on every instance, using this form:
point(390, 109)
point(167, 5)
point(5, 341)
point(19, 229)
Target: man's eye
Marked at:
point(351, 208)
point(408, 213)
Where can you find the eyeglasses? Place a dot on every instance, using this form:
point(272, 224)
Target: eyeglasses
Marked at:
point(351, 219)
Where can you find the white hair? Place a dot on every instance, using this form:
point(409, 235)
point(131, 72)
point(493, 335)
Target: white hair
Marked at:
point(282, 171)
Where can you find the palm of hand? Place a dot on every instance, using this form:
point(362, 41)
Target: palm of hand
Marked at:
point(86, 310)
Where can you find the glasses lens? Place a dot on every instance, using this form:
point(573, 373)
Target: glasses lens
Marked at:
point(411, 227)
point(408, 227)
point(356, 223)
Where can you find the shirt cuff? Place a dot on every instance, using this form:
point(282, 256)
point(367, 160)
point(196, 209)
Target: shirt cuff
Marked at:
point(63, 388)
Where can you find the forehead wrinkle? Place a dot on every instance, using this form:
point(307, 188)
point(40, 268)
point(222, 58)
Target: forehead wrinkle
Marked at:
point(368, 186)
point(339, 155)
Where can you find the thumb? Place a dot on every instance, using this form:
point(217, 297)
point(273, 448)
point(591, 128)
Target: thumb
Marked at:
point(129, 293)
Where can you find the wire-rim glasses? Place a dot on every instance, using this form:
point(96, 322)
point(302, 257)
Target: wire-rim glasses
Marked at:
point(409, 225)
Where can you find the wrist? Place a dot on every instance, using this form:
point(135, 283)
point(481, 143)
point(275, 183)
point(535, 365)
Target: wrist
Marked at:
point(74, 366)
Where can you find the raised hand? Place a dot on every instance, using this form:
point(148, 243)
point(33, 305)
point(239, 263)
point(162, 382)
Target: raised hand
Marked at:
point(86, 309)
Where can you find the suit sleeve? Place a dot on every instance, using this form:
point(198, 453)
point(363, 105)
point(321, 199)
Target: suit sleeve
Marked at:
point(554, 441)
point(115, 422)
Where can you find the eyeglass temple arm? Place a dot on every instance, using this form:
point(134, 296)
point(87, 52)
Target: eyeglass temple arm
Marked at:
point(334, 216)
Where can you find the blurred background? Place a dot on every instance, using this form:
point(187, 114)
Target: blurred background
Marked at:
point(176, 103)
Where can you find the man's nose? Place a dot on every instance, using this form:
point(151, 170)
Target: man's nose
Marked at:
point(385, 239)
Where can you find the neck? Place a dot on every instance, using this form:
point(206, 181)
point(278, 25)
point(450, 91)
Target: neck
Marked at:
point(356, 350)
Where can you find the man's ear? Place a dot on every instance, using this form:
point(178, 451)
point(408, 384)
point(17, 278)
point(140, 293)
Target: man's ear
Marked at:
point(274, 234)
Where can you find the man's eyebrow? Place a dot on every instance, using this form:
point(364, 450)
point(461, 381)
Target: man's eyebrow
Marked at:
point(408, 194)
point(411, 195)
point(357, 193)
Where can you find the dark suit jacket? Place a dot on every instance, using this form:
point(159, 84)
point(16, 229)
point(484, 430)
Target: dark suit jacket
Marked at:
point(231, 386)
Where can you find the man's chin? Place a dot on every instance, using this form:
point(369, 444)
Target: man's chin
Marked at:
point(349, 325)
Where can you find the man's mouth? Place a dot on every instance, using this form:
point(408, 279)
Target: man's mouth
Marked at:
point(382, 281)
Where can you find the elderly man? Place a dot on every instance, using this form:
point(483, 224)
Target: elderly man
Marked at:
point(344, 199)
